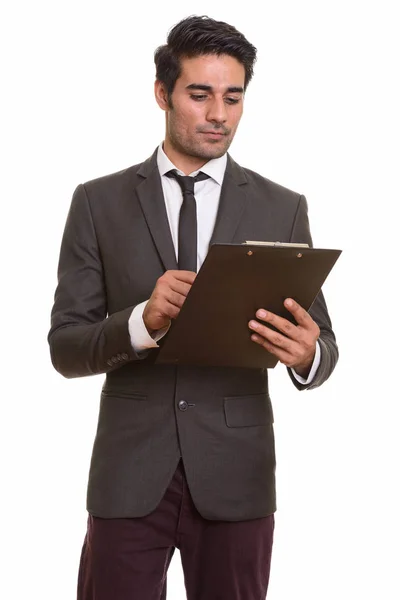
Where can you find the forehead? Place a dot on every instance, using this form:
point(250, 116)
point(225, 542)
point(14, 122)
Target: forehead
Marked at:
point(216, 71)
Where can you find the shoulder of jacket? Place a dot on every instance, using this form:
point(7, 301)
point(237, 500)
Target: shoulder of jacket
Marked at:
point(113, 179)
point(269, 186)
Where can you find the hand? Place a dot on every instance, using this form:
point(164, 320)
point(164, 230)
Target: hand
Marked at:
point(167, 299)
point(296, 348)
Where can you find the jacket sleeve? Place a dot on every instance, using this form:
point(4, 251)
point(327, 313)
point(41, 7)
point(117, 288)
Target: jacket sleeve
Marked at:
point(83, 339)
point(318, 311)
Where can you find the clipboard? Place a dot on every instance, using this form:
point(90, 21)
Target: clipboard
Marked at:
point(235, 281)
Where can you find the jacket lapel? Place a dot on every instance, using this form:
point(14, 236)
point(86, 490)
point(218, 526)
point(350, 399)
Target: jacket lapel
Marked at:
point(151, 198)
point(231, 204)
point(150, 194)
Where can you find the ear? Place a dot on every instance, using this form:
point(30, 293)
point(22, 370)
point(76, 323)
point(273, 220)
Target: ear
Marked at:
point(161, 95)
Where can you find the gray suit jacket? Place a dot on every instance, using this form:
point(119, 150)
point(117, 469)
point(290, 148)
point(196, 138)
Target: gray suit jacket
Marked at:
point(115, 246)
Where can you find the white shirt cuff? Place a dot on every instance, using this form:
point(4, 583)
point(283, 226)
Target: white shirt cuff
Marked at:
point(313, 370)
point(140, 337)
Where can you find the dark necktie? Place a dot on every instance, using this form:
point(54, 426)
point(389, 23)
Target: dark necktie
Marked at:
point(187, 231)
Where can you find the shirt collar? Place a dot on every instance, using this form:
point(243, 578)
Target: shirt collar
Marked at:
point(214, 168)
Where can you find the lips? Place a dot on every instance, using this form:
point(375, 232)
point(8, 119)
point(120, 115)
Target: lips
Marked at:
point(214, 133)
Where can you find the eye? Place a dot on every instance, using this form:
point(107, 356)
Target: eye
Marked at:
point(198, 97)
point(232, 100)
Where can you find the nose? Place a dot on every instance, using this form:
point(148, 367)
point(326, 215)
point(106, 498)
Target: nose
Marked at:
point(217, 111)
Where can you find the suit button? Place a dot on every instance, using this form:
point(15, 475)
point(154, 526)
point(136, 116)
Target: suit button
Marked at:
point(125, 356)
point(114, 359)
point(183, 405)
point(109, 362)
point(119, 357)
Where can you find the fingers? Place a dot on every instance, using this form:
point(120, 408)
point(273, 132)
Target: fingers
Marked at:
point(285, 326)
point(170, 292)
point(305, 323)
point(179, 287)
point(167, 298)
point(174, 298)
point(166, 301)
point(273, 337)
point(294, 345)
point(177, 281)
point(283, 355)
point(171, 310)
point(185, 276)
point(174, 289)
point(302, 317)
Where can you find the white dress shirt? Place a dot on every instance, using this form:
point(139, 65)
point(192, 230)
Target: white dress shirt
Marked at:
point(207, 194)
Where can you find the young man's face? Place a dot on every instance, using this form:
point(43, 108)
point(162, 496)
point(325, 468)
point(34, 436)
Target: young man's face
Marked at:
point(205, 109)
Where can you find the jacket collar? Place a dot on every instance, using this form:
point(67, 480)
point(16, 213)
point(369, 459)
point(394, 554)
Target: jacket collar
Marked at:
point(151, 198)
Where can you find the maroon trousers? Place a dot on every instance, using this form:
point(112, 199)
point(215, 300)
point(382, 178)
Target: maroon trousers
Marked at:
point(128, 559)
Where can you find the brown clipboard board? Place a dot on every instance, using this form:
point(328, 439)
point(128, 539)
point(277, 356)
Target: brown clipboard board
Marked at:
point(234, 281)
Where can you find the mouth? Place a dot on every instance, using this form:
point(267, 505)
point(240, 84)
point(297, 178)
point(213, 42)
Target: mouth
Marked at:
point(214, 134)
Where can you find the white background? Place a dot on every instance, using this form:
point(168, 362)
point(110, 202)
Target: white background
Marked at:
point(322, 118)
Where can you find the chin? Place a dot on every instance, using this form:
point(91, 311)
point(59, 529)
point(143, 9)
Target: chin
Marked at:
point(213, 150)
point(212, 153)
point(205, 151)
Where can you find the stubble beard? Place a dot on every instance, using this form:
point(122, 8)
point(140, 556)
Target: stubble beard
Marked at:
point(194, 148)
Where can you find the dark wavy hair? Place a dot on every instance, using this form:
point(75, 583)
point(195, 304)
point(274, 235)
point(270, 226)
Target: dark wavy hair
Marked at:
point(198, 36)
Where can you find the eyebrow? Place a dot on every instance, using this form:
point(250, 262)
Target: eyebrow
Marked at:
point(208, 88)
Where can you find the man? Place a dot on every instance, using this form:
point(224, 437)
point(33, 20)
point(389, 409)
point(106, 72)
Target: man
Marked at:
point(184, 455)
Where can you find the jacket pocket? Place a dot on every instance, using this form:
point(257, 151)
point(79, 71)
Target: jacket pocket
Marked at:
point(119, 394)
point(248, 411)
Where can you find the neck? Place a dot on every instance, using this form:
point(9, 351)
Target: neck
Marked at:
point(185, 163)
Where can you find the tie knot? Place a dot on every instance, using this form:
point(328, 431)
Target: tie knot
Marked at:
point(186, 182)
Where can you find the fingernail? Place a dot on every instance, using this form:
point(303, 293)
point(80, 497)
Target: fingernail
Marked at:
point(262, 314)
point(253, 324)
point(289, 303)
